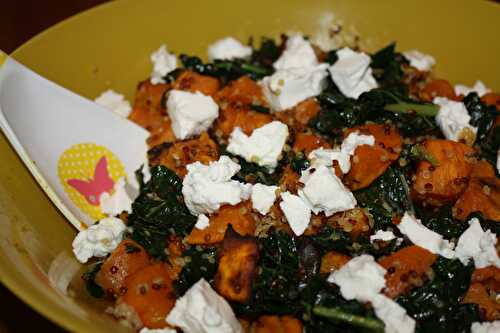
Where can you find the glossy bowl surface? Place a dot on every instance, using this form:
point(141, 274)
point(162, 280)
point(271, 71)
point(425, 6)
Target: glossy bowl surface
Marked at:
point(109, 47)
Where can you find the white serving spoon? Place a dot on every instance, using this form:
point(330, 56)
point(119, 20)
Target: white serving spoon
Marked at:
point(74, 148)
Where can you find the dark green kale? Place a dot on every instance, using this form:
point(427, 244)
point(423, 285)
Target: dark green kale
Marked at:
point(482, 115)
point(252, 172)
point(298, 162)
point(267, 54)
point(490, 146)
point(89, 277)
point(387, 69)
point(259, 108)
point(199, 263)
point(172, 76)
point(159, 211)
point(387, 195)
point(441, 221)
point(331, 57)
point(437, 305)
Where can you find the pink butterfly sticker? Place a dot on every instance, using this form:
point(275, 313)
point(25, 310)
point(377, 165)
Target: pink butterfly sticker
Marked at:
point(93, 188)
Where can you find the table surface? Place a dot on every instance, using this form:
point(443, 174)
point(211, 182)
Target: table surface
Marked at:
point(19, 21)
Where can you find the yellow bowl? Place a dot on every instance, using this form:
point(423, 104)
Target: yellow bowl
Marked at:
point(109, 46)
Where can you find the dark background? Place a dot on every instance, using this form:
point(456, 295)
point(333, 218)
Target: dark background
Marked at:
point(19, 21)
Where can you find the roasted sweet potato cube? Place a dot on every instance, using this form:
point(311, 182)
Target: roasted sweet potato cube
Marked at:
point(481, 195)
point(299, 116)
point(239, 216)
point(370, 162)
point(438, 88)
point(231, 117)
point(406, 269)
point(161, 134)
point(353, 221)
point(445, 182)
point(277, 324)
point(306, 143)
point(241, 92)
point(178, 155)
point(238, 258)
point(488, 277)
point(289, 180)
point(191, 81)
point(478, 294)
point(491, 99)
point(148, 111)
point(332, 261)
point(150, 294)
point(128, 258)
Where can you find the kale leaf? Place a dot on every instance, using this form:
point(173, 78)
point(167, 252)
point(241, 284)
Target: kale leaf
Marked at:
point(159, 211)
point(89, 277)
point(437, 305)
point(252, 172)
point(386, 196)
point(387, 69)
point(441, 221)
point(482, 115)
point(267, 54)
point(200, 263)
point(490, 146)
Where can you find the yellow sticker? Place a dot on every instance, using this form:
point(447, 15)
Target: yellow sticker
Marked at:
point(86, 171)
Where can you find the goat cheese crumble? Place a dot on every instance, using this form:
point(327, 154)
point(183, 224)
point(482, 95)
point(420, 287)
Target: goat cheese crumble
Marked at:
point(99, 239)
point(479, 245)
point(385, 236)
point(157, 330)
point(486, 327)
point(202, 222)
point(115, 102)
point(362, 278)
point(419, 60)
point(202, 310)
point(298, 53)
point(263, 146)
point(227, 49)
point(352, 73)
point(163, 63)
point(453, 119)
point(117, 202)
point(422, 236)
point(478, 87)
point(288, 87)
point(263, 197)
point(190, 113)
point(296, 212)
point(207, 187)
point(324, 191)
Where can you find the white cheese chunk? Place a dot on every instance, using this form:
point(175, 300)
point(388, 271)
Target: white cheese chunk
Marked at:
point(321, 156)
point(202, 222)
point(382, 235)
point(202, 310)
point(422, 236)
point(263, 197)
point(478, 87)
point(118, 201)
point(298, 53)
point(191, 113)
point(163, 63)
point(354, 140)
point(99, 239)
point(453, 118)
point(206, 187)
point(486, 327)
point(324, 191)
point(362, 279)
point(419, 60)
point(352, 73)
point(115, 102)
point(479, 245)
point(227, 49)
point(157, 330)
point(296, 212)
point(263, 146)
point(288, 87)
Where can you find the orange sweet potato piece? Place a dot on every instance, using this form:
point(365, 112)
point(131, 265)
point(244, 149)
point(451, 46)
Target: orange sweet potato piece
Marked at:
point(161, 134)
point(244, 118)
point(332, 261)
point(241, 92)
point(191, 81)
point(150, 294)
point(448, 180)
point(239, 216)
point(406, 269)
point(176, 156)
point(477, 294)
point(128, 258)
point(491, 99)
point(438, 88)
point(481, 195)
point(277, 324)
point(305, 142)
point(300, 115)
point(238, 258)
point(369, 162)
point(148, 111)
point(289, 180)
point(353, 221)
point(488, 277)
